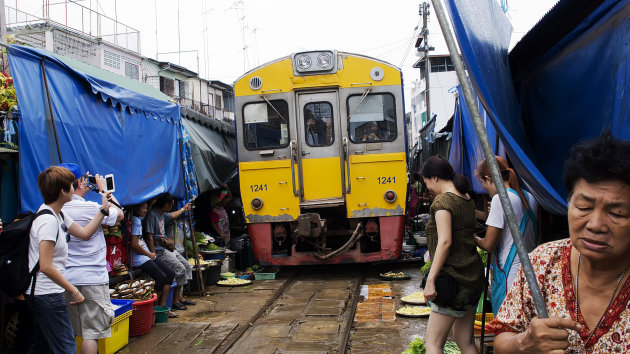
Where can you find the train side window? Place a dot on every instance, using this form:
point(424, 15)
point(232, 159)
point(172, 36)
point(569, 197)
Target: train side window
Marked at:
point(266, 125)
point(319, 124)
point(372, 118)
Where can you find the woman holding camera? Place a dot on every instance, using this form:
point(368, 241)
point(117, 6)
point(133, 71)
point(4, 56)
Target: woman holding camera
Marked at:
point(49, 245)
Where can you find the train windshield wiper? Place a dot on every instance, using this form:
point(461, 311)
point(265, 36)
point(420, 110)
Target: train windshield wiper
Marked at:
point(274, 108)
point(367, 91)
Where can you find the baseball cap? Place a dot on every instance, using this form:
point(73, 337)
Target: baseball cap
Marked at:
point(74, 168)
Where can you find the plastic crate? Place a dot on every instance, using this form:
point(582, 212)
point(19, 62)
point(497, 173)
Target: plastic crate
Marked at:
point(489, 317)
point(266, 274)
point(122, 306)
point(119, 338)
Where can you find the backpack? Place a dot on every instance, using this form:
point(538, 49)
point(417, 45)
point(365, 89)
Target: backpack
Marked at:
point(15, 276)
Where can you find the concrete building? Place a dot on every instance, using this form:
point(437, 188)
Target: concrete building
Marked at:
point(442, 84)
point(105, 43)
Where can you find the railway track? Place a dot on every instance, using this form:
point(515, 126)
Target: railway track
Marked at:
point(312, 311)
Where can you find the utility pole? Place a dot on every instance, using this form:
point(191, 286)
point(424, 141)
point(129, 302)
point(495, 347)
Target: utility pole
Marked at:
point(3, 23)
point(427, 63)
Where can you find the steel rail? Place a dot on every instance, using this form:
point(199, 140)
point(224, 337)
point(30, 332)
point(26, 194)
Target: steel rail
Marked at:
point(541, 309)
point(241, 329)
point(353, 309)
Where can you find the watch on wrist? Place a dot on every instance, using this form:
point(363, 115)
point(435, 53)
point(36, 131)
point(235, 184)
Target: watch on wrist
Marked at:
point(103, 211)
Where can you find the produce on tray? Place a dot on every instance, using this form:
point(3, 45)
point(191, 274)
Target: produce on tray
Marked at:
point(133, 289)
point(233, 281)
point(202, 262)
point(393, 275)
point(212, 247)
point(414, 311)
point(418, 297)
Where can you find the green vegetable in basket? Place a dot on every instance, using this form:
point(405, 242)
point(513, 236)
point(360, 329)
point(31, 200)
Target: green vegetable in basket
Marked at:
point(416, 347)
point(425, 268)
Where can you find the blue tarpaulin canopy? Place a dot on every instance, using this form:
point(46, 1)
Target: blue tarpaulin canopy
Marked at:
point(565, 91)
point(102, 126)
point(466, 153)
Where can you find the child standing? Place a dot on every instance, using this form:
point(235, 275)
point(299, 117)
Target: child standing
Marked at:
point(218, 214)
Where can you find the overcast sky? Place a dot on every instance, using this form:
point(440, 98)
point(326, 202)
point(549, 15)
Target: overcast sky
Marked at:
point(232, 37)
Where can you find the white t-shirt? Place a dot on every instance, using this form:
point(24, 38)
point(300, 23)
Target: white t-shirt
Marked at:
point(45, 228)
point(87, 262)
point(496, 218)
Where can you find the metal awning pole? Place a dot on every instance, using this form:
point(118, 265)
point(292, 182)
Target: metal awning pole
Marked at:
point(541, 309)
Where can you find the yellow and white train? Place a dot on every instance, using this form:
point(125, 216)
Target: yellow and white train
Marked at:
point(322, 158)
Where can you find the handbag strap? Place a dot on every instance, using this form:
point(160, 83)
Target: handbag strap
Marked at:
point(527, 215)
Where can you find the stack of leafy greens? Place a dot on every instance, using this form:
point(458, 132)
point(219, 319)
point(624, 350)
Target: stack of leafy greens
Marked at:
point(417, 347)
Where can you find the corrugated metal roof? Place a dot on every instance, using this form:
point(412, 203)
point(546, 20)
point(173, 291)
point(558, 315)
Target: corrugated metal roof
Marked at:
point(108, 76)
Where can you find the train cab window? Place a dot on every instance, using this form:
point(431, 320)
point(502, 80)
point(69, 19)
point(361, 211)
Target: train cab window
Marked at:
point(318, 124)
point(372, 118)
point(266, 125)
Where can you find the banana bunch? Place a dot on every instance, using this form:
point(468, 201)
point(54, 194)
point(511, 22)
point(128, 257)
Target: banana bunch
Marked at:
point(133, 289)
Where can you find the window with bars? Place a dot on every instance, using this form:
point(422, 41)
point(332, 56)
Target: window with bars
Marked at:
point(167, 86)
point(183, 89)
point(441, 64)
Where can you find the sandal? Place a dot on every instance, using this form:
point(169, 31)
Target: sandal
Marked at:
point(179, 306)
point(172, 314)
point(188, 302)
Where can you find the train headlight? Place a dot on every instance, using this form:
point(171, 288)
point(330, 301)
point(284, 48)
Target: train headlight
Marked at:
point(390, 196)
point(303, 62)
point(314, 62)
point(257, 203)
point(324, 61)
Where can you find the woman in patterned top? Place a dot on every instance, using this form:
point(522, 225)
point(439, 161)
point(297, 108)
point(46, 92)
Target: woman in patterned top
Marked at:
point(455, 280)
point(583, 279)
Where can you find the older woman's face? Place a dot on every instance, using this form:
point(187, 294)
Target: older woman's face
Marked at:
point(599, 220)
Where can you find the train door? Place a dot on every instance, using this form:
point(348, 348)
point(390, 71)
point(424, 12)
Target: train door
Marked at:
point(319, 129)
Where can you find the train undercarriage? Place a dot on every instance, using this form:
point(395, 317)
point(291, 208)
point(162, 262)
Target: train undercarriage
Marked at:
point(322, 237)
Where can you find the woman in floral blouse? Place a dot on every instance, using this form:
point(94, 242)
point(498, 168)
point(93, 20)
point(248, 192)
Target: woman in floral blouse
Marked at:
point(583, 279)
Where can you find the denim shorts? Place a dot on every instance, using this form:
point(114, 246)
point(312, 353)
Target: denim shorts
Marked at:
point(52, 328)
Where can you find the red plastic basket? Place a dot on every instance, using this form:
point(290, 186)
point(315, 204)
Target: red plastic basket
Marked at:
point(141, 319)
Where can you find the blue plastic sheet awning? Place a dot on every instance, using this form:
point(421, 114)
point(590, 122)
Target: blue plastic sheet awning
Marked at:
point(570, 92)
point(466, 153)
point(102, 126)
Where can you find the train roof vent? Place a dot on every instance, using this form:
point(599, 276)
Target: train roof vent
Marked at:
point(255, 83)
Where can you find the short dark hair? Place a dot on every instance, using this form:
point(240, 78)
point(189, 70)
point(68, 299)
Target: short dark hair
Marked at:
point(52, 181)
point(162, 200)
point(604, 158)
point(437, 166)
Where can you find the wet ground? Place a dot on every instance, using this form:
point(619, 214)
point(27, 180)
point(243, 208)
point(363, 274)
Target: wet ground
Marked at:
point(311, 314)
